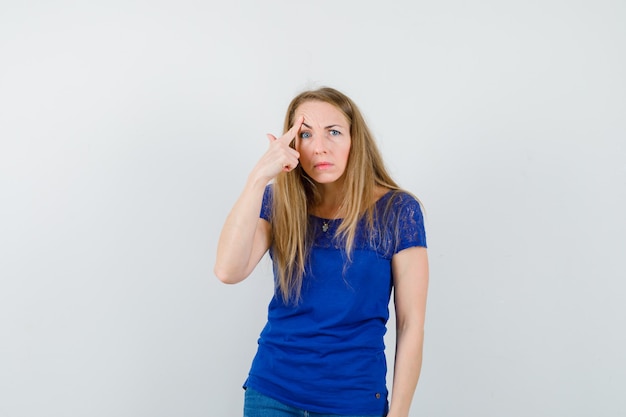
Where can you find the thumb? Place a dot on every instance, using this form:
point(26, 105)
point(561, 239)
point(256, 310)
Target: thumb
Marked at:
point(271, 137)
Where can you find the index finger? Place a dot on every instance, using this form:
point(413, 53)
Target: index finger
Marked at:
point(293, 131)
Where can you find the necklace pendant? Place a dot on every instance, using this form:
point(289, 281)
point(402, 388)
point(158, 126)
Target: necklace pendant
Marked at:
point(325, 227)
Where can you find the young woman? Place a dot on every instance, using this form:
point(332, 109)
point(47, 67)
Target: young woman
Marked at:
point(341, 235)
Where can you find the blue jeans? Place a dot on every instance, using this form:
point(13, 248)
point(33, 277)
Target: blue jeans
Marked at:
point(259, 405)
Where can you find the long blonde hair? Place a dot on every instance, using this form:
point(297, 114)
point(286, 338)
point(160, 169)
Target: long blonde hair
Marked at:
point(295, 193)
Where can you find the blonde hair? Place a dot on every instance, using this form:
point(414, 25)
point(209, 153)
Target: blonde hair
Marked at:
point(295, 193)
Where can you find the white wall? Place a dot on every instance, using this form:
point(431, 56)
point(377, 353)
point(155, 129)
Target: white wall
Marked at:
point(127, 130)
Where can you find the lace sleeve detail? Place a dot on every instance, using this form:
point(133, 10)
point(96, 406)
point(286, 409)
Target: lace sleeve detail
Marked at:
point(266, 207)
point(410, 223)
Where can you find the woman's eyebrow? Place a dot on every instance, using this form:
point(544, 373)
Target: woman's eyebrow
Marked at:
point(327, 127)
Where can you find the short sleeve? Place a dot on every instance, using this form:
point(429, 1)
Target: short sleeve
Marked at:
point(410, 224)
point(266, 207)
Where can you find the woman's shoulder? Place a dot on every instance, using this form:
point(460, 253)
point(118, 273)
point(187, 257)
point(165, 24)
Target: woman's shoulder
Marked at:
point(266, 205)
point(396, 198)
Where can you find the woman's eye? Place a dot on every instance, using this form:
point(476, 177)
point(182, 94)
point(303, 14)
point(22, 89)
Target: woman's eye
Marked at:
point(305, 135)
point(334, 132)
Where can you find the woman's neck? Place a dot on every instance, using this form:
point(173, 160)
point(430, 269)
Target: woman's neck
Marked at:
point(332, 199)
point(332, 196)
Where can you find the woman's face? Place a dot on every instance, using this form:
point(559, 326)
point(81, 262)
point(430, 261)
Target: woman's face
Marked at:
point(323, 142)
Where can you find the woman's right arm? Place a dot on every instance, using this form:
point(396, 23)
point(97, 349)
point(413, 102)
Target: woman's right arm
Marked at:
point(245, 237)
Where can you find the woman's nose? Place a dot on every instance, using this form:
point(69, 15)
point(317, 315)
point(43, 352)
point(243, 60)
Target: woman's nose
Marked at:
point(319, 144)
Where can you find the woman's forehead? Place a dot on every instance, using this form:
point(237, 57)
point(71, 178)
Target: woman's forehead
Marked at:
point(320, 113)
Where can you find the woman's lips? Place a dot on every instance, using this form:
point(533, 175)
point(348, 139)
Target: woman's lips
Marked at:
point(323, 165)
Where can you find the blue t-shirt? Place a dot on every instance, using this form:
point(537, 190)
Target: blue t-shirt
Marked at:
point(326, 354)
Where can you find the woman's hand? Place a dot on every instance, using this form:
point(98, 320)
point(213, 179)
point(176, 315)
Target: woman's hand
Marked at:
point(279, 157)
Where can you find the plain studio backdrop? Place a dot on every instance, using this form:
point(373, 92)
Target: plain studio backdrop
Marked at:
point(127, 131)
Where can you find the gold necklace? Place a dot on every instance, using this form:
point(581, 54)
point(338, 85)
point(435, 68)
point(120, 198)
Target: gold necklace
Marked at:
point(326, 222)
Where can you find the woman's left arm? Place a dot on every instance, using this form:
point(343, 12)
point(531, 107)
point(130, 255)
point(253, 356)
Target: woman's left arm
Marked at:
point(410, 277)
